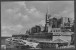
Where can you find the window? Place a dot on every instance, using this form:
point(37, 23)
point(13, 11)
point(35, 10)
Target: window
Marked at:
point(54, 30)
point(51, 31)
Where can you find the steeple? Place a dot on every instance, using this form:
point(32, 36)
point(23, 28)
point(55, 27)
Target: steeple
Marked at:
point(47, 15)
point(47, 12)
point(47, 19)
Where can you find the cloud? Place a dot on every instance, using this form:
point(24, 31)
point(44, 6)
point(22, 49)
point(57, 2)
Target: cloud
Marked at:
point(67, 12)
point(33, 9)
point(9, 30)
point(71, 15)
point(14, 28)
point(19, 26)
point(5, 34)
point(30, 14)
point(17, 8)
point(26, 17)
point(12, 10)
point(17, 15)
point(20, 15)
point(42, 22)
point(21, 3)
point(36, 13)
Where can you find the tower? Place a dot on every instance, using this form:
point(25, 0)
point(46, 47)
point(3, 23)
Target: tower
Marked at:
point(47, 20)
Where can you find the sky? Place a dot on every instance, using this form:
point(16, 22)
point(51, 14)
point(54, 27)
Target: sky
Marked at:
point(19, 16)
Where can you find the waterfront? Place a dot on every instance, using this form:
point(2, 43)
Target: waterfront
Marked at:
point(11, 47)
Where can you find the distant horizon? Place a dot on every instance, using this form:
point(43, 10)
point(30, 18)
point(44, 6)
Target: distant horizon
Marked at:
point(6, 36)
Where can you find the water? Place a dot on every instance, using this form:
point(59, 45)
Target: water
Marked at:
point(54, 38)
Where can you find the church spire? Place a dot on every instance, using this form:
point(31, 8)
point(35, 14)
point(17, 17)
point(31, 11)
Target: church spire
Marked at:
point(47, 19)
point(47, 13)
point(48, 10)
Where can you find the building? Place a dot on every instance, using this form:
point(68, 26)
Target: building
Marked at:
point(53, 32)
point(67, 22)
point(42, 28)
point(20, 36)
point(72, 39)
point(41, 36)
point(35, 29)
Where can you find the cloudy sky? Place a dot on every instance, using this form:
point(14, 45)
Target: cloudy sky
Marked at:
point(17, 17)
